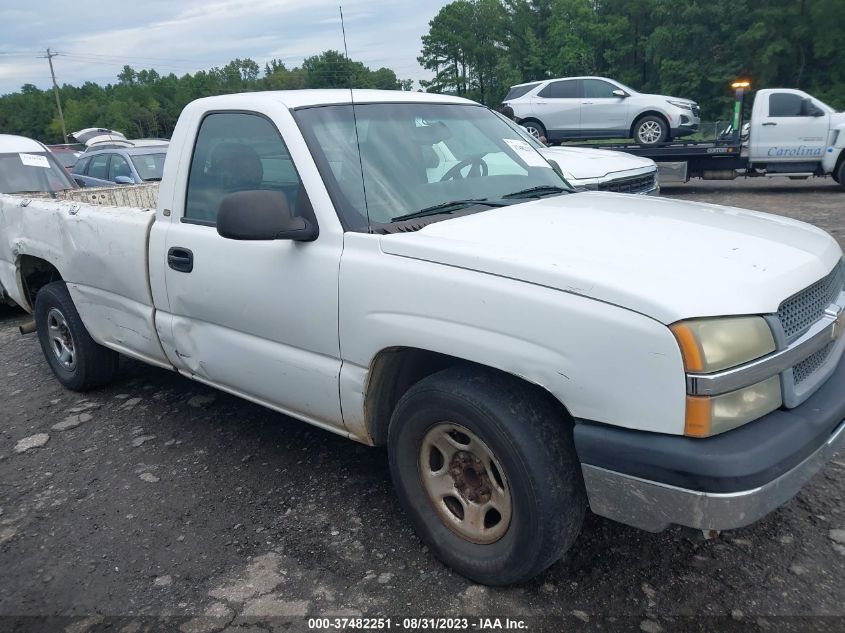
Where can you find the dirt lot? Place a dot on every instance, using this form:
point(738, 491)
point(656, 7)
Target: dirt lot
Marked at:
point(165, 505)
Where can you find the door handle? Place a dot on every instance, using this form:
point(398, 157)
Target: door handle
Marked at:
point(770, 123)
point(180, 259)
point(586, 103)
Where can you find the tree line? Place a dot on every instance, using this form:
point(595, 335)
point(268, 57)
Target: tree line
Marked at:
point(145, 104)
point(479, 48)
point(685, 48)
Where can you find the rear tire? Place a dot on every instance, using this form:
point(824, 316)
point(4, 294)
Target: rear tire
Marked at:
point(77, 361)
point(535, 128)
point(485, 467)
point(651, 130)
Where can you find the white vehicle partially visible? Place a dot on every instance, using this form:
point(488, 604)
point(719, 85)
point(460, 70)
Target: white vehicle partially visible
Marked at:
point(27, 166)
point(597, 169)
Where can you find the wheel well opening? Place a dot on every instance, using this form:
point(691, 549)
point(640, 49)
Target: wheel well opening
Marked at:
point(397, 369)
point(640, 117)
point(531, 119)
point(35, 273)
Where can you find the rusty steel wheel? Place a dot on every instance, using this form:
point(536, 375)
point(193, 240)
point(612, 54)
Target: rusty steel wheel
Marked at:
point(485, 467)
point(465, 483)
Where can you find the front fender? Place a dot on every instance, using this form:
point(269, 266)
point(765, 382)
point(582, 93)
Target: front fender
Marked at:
point(603, 362)
point(834, 150)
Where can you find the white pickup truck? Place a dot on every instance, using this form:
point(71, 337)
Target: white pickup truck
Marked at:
point(523, 351)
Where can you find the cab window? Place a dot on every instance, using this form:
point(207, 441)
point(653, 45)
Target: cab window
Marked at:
point(237, 152)
point(785, 104)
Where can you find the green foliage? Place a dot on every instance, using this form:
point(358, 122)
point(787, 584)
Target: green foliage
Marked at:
point(145, 104)
point(689, 48)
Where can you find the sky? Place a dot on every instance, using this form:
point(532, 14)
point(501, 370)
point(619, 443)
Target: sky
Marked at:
point(95, 39)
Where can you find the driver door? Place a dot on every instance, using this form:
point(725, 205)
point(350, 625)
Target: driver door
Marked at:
point(257, 318)
point(787, 132)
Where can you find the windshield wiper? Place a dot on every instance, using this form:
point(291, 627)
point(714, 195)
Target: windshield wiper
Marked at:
point(447, 207)
point(536, 192)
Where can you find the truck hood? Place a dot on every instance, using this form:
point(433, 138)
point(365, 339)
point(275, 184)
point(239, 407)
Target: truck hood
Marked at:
point(664, 258)
point(584, 163)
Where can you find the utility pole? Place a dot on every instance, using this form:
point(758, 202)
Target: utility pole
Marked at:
point(50, 56)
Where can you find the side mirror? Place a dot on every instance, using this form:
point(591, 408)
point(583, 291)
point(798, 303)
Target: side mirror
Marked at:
point(620, 93)
point(124, 180)
point(262, 215)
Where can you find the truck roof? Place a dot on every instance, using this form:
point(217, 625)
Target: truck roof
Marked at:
point(305, 98)
point(10, 143)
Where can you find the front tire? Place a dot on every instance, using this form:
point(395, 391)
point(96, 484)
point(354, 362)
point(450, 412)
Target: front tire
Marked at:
point(485, 467)
point(651, 130)
point(839, 174)
point(77, 361)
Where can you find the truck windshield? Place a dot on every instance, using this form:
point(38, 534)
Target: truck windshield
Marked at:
point(32, 172)
point(419, 157)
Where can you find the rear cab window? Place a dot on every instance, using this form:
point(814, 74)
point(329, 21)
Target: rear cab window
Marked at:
point(237, 151)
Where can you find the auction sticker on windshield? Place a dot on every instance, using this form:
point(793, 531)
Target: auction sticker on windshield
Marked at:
point(528, 154)
point(33, 160)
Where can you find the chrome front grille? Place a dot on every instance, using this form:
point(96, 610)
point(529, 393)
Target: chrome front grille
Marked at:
point(811, 364)
point(633, 184)
point(801, 310)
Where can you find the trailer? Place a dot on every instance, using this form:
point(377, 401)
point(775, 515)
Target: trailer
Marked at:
point(790, 133)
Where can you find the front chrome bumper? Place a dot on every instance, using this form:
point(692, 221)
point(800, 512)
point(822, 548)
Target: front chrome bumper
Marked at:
point(653, 506)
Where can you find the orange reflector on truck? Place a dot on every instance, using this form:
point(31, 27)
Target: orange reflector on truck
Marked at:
point(699, 415)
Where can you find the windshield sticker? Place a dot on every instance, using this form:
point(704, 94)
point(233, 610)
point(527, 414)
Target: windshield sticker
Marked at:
point(526, 153)
point(33, 160)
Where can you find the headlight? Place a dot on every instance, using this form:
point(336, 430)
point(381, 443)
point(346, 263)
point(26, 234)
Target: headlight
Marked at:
point(711, 415)
point(683, 105)
point(714, 344)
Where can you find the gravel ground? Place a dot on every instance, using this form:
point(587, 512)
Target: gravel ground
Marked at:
point(159, 504)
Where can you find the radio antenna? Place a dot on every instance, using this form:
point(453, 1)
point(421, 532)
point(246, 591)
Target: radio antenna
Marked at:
point(355, 118)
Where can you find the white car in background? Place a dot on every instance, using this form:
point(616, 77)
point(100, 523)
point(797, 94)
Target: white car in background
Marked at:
point(597, 169)
point(597, 107)
point(27, 166)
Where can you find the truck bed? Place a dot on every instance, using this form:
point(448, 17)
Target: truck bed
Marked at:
point(99, 251)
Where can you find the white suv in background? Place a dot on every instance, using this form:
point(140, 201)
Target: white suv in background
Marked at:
point(596, 107)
